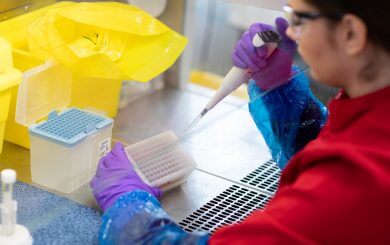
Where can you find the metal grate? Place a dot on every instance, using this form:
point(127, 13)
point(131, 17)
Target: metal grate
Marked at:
point(231, 206)
point(265, 177)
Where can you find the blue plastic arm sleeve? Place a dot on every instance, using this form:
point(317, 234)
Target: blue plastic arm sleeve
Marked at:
point(138, 218)
point(288, 117)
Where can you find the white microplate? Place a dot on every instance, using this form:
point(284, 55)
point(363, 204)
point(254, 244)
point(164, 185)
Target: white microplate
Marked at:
point(161, 161)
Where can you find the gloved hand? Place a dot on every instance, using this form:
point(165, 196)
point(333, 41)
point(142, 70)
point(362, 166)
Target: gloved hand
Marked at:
point(268, 72)
point(115, 176)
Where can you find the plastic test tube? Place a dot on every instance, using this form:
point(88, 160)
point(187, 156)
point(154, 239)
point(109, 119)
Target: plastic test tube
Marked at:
point(8, 206)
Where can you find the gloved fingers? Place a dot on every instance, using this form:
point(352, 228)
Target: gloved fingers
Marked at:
point(236, 56)
point(118, 150)
point(254, 29)
point(121, 160)
point(246, 53)
point(104, 161)
point(262, 53)
point(251, 53)
point(97, 188)
point(287, 43)
point(116, 158)
point(109, 164)
point(100, 183)
point(256, 55)
point(259, 27)
point(281, 27)
point(243, 56)
point(237, 60)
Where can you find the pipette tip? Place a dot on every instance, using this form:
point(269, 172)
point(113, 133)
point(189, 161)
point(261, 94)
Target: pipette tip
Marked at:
point(205, 110)
point(193, 123)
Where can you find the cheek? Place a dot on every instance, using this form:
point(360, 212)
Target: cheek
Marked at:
point(318, 54)
point(310, 48)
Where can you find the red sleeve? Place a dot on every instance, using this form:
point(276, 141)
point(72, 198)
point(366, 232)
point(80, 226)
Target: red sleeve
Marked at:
point(331, 202)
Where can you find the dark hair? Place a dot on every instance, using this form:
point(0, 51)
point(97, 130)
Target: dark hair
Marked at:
point(374, 13)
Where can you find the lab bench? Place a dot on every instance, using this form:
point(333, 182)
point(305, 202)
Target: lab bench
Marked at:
point(230, 153)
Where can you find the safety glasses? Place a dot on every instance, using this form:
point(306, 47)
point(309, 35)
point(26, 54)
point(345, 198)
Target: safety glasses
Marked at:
point(298, 18)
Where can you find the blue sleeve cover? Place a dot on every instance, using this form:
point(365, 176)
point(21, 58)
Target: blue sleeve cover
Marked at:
point(288, 117)
point(137, 218)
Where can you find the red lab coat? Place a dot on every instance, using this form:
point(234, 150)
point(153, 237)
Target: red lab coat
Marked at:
point(334, 191)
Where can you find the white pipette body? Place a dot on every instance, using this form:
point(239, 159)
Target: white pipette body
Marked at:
point(237, 76)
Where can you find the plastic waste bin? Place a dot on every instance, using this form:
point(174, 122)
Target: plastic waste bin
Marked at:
point(92, 85)
point(9, 79)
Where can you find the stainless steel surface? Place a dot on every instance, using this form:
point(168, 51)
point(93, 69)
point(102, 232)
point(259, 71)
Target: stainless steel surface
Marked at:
point(225, 143)
point(198, 190)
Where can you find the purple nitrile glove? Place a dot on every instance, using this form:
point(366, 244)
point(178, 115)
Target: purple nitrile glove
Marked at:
point(115, 175)
point(268, 72)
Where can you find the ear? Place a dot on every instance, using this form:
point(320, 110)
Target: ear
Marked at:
point(354, 34)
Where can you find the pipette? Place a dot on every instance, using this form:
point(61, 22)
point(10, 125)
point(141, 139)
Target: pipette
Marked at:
point(237, 76)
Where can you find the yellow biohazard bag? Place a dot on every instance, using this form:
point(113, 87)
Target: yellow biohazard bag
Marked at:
point(107, 40)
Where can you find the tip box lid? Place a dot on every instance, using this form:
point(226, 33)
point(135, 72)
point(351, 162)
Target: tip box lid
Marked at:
point(43, 89)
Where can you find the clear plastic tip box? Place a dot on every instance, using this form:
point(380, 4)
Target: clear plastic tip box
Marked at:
point(65, 148)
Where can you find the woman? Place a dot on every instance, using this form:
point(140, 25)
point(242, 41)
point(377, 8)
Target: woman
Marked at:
point(336, 188)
